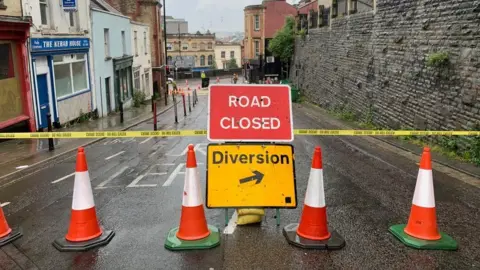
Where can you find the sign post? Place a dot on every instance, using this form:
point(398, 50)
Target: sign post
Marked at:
point(250, 161)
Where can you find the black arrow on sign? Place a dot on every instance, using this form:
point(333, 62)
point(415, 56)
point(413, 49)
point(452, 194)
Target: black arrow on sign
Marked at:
point(257, 176)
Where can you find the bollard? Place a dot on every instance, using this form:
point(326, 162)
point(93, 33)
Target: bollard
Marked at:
point(184, 106)
point(154, 116)
point(152, 103)
point(51, 146)
point(189, 106)
point(175, 107)
point(121, 111)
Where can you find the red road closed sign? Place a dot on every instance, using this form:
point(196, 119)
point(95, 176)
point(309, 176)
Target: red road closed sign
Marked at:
point(250, 113)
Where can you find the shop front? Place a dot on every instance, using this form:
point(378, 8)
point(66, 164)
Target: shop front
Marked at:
point(122, 67)
point(16, 111)
point(61, 79)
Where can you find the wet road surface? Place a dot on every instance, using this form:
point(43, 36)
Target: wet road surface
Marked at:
point(138, 184)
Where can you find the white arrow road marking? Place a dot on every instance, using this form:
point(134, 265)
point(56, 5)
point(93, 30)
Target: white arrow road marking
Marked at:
point(4, 204)
point(140, 177)
point(146, 140)
point(102, 185)
point(232, 224)
point(117, 154)
point(198, 148)
point(173, 175)
point(63, 178)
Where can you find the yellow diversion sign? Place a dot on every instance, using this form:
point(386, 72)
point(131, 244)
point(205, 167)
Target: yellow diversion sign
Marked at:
point(251, 175)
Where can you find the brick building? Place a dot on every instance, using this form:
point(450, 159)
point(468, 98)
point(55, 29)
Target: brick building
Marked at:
point(148, 12)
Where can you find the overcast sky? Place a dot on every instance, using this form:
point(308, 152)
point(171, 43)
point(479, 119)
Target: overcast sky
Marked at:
point(215, 15)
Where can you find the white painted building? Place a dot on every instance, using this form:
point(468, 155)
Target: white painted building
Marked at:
point(142, 58)
point(225, 51)
point(60, 59)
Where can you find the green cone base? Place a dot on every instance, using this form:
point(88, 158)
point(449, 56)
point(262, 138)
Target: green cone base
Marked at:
point(174, 243)
point(444, 243)
point(335, 241)
point(12, 236)
point(63, 244)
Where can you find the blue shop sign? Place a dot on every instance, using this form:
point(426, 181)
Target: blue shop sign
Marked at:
point(69, 4)
point(59, 44)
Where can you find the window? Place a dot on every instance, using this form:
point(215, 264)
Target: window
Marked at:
point(147, 81)
point(257, 22)
point(124, 45)
point(143, 82)
point(202, 46)
point(145, 42)
point(210, 60)
point(71, 17)
point(44, 12)
point(169, 60)
point(223, 54)
point(210, 45)
point(185, 46)
point(10, 82)
point(106, 37)
point(232, 54)
point(257, 47)
point(70, 74)
point(135, 41)
point(202, 60)
point(136, 80)
point(169, 46)
point(194, 45)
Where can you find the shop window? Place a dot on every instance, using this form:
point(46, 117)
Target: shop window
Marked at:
point(10, 87)
point(70, 74)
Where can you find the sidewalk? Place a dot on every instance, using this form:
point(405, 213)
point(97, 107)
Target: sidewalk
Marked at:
point(16, 155)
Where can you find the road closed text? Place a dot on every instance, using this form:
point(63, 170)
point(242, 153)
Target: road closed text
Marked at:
point(249, 122)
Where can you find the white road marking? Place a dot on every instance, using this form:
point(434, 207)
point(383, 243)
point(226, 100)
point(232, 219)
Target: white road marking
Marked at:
point(197, 149)
point(182, 173)
point(135, 182)
point(232, 224)
point(22, 167)
point(102, 185)
point(173, 175)
point(166, 164)
point(162, 173)
point(4, 204)
point(146, 140)
point(117, 154)
point(63, 178)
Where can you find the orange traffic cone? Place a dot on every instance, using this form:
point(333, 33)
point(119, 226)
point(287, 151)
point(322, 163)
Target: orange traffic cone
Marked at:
point(421, 230)
point(84, 231)
point(312, 232)
point(7, 234)
point(193, 232)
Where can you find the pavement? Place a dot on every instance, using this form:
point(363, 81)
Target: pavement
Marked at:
point(138, 186)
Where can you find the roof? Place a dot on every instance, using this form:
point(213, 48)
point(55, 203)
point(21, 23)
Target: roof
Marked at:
point(103, 5)
point(254, 7)
point(304, 8)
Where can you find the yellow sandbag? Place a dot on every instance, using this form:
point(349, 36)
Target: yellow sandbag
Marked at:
point(249, 219)
point(250, 211)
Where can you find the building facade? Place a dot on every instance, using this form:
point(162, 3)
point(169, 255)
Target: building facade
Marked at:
point(16, 109)
point(60, 57)
point(199, 47)
point(113, 58)
point(176, 26)
point(226, 53)
point(142, 58)
point(254, 31)
point(148, 12)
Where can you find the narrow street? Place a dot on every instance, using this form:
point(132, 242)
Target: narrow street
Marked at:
point(138, 183)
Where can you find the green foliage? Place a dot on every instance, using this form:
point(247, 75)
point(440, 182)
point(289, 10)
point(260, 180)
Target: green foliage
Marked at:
point(138, 98)
point(437, 59)
point(283, 43)
point(232, 63)
point(214, 64)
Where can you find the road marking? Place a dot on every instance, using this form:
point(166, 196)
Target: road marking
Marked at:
point(162, 173)
point(166, 164)
point(63, 178)
point(173, 175)
point(112, 177)
point(135, 182)
point(146, 140)
point(182, 173)
point(232, 224)
point(196, 149)
point(4, 204)
point(22, 167)
point(117, 154)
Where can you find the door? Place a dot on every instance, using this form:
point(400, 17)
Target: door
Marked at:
point(117, 90)
point(107, 94)
point(43, 102)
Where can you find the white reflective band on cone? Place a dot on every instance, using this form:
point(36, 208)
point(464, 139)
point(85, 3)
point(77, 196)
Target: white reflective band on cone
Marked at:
point(424, 194)
point(82, 192)
point(192, 193)
point(315, 195)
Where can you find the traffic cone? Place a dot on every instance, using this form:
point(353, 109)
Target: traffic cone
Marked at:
point(84, 231)
point(7, 234)
point(312, 232)
point(193, 232)
point(421, 231)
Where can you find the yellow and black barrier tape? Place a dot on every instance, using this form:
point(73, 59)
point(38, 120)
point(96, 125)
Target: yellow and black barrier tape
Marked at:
point(189, 133)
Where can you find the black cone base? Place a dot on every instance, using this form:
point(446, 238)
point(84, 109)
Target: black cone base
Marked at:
point(63, 244)
point(14, 235)
point(335, 241)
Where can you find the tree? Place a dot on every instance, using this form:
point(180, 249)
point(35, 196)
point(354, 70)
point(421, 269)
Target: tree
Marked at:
point(283, 43)
point(232, 64)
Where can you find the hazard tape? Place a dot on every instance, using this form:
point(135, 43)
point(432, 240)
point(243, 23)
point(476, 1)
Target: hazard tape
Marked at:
point(188, 133)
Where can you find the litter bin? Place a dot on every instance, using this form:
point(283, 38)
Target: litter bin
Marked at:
point(205, 82)
point(294, 93)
